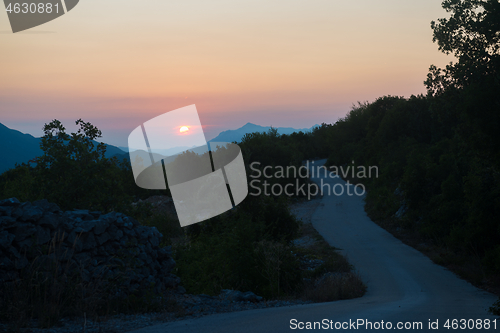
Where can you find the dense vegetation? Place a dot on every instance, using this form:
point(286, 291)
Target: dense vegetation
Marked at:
point(72, 172)
point(247, 248)
point(437, 155)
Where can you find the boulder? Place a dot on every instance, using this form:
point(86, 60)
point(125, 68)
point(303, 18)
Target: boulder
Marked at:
point(238, 296)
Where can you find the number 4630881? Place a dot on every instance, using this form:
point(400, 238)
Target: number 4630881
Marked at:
point(471, 324)
point(32, 8)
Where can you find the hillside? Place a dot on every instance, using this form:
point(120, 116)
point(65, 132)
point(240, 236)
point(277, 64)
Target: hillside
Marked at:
point(16, 147)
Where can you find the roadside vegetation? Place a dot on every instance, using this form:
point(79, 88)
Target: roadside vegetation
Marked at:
point(438, 186)
point(249, 248)
point(439, 182)
point(331, 277)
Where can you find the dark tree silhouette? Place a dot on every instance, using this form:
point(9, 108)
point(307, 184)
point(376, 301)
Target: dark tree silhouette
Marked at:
point(472, 35)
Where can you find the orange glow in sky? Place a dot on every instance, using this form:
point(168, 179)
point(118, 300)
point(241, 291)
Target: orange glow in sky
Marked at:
point(184, 129)
point(281, 63)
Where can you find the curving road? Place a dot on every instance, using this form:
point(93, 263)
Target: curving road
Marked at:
point(404, 286)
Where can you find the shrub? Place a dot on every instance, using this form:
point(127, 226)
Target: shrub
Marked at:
point(277, 264)
point(333, 287)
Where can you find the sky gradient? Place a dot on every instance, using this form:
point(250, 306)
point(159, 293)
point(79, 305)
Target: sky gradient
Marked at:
point(294, 63)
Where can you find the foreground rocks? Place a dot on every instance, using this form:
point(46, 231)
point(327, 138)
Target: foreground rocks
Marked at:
point(109, 248)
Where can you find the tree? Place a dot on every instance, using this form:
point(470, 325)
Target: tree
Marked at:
point(472, 35)
point(57, 145)
point(74, 172)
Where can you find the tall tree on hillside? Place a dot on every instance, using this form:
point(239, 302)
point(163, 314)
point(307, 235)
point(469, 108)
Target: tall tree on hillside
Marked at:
point(472, 35)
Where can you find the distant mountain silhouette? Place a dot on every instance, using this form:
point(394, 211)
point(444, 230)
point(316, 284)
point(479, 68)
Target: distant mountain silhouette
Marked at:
point(17, 147)
point(166, 152)
point(225, 136)
point(237, 134)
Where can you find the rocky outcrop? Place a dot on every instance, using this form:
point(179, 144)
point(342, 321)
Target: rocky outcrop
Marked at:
point(238, 296)
point(110, 248)
point(398, 193)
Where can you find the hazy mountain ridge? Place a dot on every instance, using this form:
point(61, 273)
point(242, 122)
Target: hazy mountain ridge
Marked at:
point(238, 134)
point(17, 147)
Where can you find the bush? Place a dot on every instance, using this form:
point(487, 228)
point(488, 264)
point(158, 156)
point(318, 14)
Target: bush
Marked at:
point(333, 287)
point(495, 308)
point(244, 249)
point(276, 263)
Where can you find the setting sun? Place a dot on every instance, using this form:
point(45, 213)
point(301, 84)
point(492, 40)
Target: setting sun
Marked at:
point(184, 129)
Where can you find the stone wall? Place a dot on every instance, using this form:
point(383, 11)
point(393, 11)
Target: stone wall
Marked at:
point(109, 248)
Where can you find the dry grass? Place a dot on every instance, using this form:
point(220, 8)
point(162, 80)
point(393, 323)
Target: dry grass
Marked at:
point(333, 287)
point(50, 289)
point(334, 279)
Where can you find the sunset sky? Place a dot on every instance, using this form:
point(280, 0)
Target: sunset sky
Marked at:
point(293, 63)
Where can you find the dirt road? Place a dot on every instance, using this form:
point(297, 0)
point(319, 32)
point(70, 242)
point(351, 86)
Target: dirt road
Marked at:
point(405, 289)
